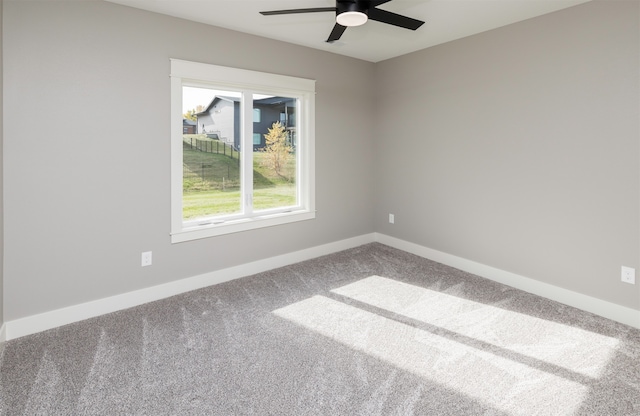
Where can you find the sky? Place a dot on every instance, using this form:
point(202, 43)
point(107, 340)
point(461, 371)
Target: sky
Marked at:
point(193, 96)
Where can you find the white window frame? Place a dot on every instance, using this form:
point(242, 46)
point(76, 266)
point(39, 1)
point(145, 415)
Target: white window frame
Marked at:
point(186, 73)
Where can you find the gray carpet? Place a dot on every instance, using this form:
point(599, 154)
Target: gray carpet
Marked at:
point(367, 331)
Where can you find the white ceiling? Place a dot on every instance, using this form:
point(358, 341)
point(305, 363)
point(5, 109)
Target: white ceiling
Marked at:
point(446, 20)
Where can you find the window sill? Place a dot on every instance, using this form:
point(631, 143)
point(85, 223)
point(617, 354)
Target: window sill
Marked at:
point(235, 226)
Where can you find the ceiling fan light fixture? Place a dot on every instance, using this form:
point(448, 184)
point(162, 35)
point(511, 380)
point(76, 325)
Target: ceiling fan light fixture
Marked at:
point(351, 18)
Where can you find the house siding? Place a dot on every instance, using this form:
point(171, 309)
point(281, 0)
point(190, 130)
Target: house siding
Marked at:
point(221, 119)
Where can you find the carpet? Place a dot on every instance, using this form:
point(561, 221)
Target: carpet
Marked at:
point(367, 331)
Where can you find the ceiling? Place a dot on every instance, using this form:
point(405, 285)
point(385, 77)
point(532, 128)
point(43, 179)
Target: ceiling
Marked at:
point(446, 20)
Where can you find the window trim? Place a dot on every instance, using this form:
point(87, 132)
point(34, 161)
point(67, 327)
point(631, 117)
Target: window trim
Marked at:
point(194, 74)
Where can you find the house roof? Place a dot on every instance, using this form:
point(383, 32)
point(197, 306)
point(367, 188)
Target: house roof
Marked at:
point(187, 122)
point(219, 98)
point(273, 100)
point(263, 101)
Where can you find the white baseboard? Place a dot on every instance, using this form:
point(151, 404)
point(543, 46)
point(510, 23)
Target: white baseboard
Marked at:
point(596, 306)
point(53, 319)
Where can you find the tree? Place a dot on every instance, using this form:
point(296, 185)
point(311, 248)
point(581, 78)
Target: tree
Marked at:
point(191, 114)
point(277, 150)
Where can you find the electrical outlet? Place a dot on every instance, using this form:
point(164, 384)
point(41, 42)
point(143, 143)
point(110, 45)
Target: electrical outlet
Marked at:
point(392, 218)
point(146, 258)
point(628, 275)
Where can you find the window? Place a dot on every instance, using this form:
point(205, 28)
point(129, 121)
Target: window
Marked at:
point(249, 167)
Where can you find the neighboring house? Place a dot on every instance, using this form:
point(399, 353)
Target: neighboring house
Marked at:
point(188, 126)
point(221, 119)
point(267, 111)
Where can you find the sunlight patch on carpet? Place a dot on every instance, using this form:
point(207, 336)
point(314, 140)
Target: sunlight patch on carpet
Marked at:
point(504, 382)
point(572, 348)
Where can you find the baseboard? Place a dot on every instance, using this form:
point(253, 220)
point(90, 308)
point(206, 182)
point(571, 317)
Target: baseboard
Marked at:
point(53, 319)
point(596, 306)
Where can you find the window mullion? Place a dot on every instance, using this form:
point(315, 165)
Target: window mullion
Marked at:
point(246, 150)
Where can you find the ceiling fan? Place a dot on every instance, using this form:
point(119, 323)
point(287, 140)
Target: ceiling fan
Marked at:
point(355, 13)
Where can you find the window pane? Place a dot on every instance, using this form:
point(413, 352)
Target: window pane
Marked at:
point(211, 157)
point(275, 160)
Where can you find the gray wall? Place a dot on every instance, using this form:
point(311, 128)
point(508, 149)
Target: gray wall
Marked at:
point(87, 188)
point(519, 148)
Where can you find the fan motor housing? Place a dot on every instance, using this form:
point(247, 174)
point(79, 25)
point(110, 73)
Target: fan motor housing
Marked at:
point(352, 6)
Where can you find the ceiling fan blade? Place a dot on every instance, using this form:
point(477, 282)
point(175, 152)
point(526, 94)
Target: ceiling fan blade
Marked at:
point(394, 19)
point(297, 11)
point(337, 31)
point(375, 3)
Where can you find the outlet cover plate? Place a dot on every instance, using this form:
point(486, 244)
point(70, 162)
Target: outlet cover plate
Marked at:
point(628, 275)
point(146, 259)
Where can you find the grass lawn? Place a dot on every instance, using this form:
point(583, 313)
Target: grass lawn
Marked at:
point(206, 203)
point(211, 181)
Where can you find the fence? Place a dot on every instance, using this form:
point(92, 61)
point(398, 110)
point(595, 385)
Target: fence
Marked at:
point(210, 146)
point(208, 176)
point(210, 173)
